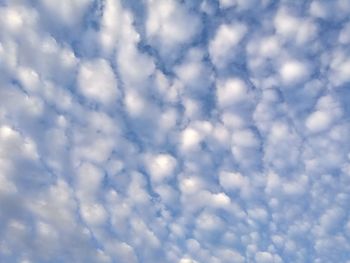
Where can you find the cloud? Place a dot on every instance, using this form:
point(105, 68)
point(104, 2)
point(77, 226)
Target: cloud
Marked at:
point(186, 131)
point(232, 91)
point(170, 24)
point(161, 166)
point(96, 81)
point(227, 37)
point(293, 72)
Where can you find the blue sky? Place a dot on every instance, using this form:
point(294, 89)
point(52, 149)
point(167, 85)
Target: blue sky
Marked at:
point(193, 131)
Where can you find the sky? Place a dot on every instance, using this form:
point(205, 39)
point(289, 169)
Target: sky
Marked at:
point(174, 131)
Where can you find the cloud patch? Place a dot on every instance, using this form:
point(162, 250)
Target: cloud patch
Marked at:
point(186, 131)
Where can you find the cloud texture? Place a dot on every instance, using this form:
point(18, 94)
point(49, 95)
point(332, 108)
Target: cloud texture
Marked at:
point(174, 131)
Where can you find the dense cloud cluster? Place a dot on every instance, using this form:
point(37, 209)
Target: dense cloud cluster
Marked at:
point(185, 131)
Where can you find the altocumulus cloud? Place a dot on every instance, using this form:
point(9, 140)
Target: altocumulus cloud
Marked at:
point(207, 131)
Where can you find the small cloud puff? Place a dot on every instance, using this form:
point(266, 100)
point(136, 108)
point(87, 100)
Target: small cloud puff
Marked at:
point(97, 82)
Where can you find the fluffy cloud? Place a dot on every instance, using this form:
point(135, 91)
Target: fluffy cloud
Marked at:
point(170, 24)
point(97, 82)
point(222, 46)
point(186, 131)
point(293, 72)
point(161, 166)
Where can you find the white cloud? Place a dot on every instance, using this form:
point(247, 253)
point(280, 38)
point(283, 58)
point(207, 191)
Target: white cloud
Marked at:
point(220, 200)
point(285, 23)
point(97, 82)
point(344, 35)
point(187, 260)
point(111, 25)
point(134, 103)
point(190, 185)
point(232, 181)
point(191, 131)
point(13, 145)
point(93, 148)
point(227, 3)
point(89, 180)
point(263, 257)
point(29, 78)
point(194, 72)
point(68, 12)
point(293, 72)
point(134, 66)
point(93, 213)
point(121, 250)
point(340, 71)
point(231, 91)
point(326, 113)
point(190, 139)
point(208, 222)
point(227, 37)
point(161, 166)
point(170, 24)
point(7, 187)
point(319, 121)
point(245, 138)
point(12, 19)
